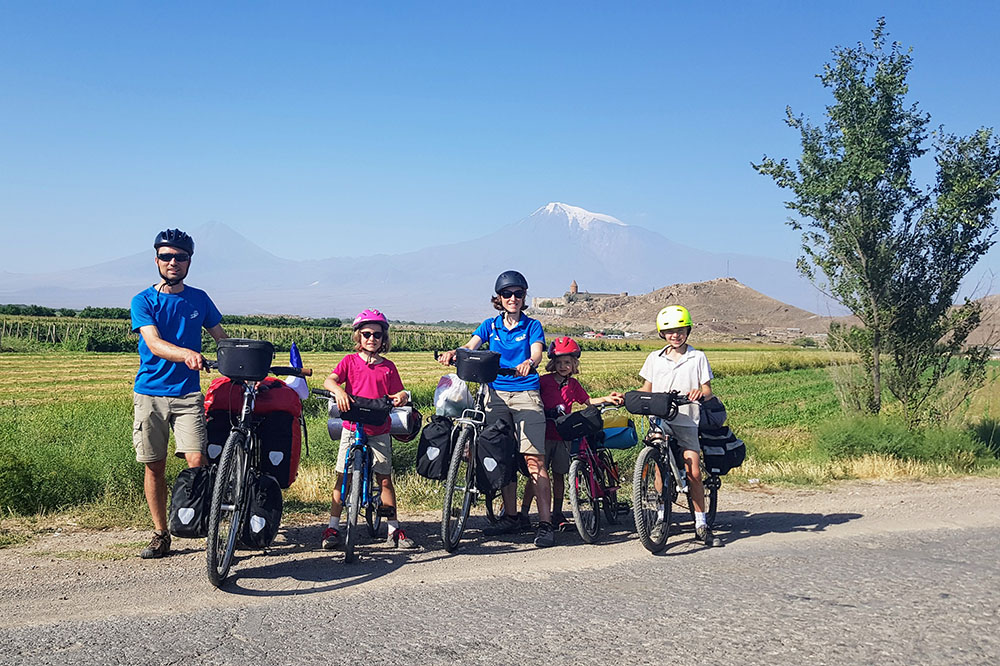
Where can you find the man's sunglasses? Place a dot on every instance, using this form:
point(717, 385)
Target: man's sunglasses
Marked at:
point(372, 334)
point(507, 293)
point(167, 257)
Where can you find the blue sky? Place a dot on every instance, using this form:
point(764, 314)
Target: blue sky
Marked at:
point(331, 129)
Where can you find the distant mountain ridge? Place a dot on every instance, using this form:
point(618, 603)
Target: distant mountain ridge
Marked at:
point(554, 245)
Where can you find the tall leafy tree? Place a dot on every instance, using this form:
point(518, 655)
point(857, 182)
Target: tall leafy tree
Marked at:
point(890, 251)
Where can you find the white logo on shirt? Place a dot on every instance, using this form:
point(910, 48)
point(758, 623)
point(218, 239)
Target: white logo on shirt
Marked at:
point(194, 315)
point(521, 338)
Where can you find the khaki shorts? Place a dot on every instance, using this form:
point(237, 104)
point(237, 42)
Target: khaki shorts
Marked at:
point(523, 410)
point(380, 446)
point(155, 415)
point(687, 437)
point(557, 455)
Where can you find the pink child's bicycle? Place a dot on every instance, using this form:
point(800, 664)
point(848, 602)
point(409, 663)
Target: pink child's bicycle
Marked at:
point(593, 481)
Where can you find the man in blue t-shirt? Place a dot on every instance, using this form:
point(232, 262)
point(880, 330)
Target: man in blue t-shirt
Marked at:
point(169, 317)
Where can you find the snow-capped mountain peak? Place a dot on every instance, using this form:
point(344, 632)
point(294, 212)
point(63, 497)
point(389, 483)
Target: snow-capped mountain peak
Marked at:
point(574, 215)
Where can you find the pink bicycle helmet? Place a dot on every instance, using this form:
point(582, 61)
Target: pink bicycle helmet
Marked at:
point(370, 317)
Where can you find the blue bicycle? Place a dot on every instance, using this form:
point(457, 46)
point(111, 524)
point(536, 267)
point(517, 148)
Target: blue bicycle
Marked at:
point(359, 489)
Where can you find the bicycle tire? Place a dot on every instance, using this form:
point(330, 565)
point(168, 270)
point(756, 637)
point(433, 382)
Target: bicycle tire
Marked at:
point(650, 506)
point(586, 510)
point(353, 509)
point(461, 470)
point(610, 500)
point(226, 516)
point(712, 484)
point(373, 516)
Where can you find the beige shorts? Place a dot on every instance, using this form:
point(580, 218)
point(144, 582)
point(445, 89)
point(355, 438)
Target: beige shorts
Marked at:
point(155, 415)
point(557, 455)
point(381, 448)
point(687, 437)
point(523, 410)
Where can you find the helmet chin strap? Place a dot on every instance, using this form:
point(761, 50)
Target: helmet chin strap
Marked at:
point(170, 282)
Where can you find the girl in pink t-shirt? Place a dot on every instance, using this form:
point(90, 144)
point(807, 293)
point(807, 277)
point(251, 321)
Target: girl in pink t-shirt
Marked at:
point(367, 374)
point(558, 389)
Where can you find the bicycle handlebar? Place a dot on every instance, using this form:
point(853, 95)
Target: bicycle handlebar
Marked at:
point(209, 364)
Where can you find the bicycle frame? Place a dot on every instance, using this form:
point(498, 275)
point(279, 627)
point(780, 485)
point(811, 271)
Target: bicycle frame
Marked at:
point(358, 448)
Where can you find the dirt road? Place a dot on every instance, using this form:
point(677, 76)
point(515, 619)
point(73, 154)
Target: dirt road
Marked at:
point(897, 573)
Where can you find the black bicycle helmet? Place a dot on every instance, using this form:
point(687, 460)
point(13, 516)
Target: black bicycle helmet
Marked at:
point(509, 279)
point(174, 238)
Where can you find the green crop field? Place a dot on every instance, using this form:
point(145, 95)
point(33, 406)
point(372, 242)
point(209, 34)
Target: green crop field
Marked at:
point(66, 420)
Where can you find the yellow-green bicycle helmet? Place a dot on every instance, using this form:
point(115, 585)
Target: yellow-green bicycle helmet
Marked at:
point(672, 316)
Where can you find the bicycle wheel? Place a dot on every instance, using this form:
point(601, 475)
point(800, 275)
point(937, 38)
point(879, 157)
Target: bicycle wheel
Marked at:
point(225, 519)
point(586, 511)
point(651, 507)
point(712, 484)
point(609, 479)
point(373, 515)
point(459, 489)
point(353, 509)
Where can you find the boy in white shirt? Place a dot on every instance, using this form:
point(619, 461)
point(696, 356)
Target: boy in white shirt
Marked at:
point(682, 368)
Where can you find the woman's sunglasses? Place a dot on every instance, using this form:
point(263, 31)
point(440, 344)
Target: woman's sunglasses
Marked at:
point(372, 334)
point(507, 293)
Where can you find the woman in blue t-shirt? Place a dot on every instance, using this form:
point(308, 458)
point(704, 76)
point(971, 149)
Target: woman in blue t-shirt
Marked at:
point(519, 339)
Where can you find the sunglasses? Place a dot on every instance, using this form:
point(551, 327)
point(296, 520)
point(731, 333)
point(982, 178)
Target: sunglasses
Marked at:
point(372, 334)
point(167, 257)
point(507, 293)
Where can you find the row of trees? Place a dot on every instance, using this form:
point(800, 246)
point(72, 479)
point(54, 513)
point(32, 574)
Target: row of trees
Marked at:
point(892, 252)
point(42, 311)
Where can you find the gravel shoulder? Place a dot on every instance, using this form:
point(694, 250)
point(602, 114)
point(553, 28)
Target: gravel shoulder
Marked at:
point(80, 575)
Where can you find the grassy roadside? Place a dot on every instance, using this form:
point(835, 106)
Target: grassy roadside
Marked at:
point(65, 420)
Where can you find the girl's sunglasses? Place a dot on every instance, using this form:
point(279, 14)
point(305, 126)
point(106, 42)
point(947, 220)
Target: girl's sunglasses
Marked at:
point(507, 293)
point(371, 334)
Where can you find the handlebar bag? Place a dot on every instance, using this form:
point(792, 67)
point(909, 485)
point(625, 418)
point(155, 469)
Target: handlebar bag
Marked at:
point(249, 360)
point(368, 411)
point(264, 507)
point(651, 404)
point(583, 423)
point(435, 448)
point(495, 457)
point(191, 502)
point(479, 365)
point(721, 450)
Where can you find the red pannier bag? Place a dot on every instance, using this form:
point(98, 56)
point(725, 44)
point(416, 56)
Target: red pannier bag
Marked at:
point(280, 429)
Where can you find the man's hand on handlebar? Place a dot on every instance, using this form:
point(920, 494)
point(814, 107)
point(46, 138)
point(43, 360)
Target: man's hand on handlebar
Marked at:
point(446, 357)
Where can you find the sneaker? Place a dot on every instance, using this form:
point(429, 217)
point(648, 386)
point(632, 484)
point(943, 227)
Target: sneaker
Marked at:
point(398, 539)
point(506, 525)
point(331, 539)
point(545, 536)
point(523, 522)
point(704, 534)
point(560, 521)
point(158, 546)
point(659, 532)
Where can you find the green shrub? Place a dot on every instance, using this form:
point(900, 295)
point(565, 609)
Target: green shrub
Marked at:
point(856, 437)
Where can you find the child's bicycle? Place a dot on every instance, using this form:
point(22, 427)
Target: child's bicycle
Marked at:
point(245, 362)
point(460, 491)
point(359, 489)
point(659, 476)
point(593, 481)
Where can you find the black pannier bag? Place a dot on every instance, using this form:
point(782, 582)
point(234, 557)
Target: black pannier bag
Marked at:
point(495, 457)
point(713, 414)
point(586, 422)
point(368, 411)
point(480, 365)
point(435, 448)
point(651, 404)
point(191, 502)
point(249, 360)
point(264, 507)
point(279, 451)
point(219, 425)
point(721, 450)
